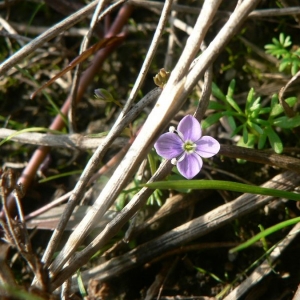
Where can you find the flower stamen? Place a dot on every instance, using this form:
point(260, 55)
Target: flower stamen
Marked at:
point(189, 147)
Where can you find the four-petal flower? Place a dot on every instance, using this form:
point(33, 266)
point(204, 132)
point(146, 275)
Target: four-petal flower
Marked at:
point(186, 145)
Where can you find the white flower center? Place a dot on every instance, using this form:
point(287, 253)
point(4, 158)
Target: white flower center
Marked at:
point(189, 147)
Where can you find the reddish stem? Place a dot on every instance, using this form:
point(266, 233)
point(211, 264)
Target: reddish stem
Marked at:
point(40, 154)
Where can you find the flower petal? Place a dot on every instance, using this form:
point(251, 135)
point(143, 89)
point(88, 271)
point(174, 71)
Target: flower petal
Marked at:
point(190, 128)
point(190, 166)
point(207, 146)
point(169, 145)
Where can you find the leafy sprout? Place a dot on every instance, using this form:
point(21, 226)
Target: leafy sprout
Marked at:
point(254, 123)
point(289, 56)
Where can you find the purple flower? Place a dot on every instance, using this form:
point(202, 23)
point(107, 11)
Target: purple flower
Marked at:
point(185, 146)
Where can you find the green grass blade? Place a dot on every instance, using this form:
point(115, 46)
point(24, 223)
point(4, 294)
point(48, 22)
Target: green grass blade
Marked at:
point(81, 287)
point(222, 185)
point(60, 176)
point(265, 233)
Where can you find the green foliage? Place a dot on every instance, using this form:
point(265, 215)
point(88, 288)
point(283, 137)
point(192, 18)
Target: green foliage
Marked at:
point(222, 185)
point(127, 194)
point(80, 283)
point(256, 124)
point(265, 233)
point(106, 96)
point(289, 56)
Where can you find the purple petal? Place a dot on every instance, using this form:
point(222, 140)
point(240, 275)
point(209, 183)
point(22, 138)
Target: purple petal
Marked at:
point(190, 166)
point(169, 145)
point(207, 146)
point(190, 128)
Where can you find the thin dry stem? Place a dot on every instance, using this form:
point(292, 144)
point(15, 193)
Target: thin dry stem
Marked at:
point(187, 232)
point(265, 268)
point(170, 100)
point(91, 169)
point(149, 57)
point(46, 36)
point(168, 103)
point(74, 141)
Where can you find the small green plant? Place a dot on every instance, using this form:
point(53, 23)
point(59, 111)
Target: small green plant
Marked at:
point(289, 56)
point(256, 123)
point(106, 96)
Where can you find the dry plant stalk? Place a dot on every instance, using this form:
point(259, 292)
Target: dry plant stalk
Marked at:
point(180, 84)
point(187, 232)
point(168, 104)
point(265, 268)
point(184, 77)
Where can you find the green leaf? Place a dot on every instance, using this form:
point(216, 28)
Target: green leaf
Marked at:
point(285, 122)
point(237, 130)
point(294, 69)
point(175, 177)
point(233, 104)
point(274, 100)
point(250, 99)
point(271, 46)
point(80, 283)
point(250, 143)
point(256, 127)
point(152, 162)
point(264, 110)
point(60, 176)
point(265, 233)
point(106, 96)
point(254, 114)
point(222, 185)
point(277, 108)
point(215, 277)
point(261, 122)
point(291, 101)
point(262, 140)
point(255, 106)
point(231, 88)
point(287, 42)
point(263, 239)
point(216, 105)
point(282, 52)
point(231, 122)
point(276, 42)
point(210, 120)
point(245, 134)
point(255, 103)
point(281, 38)
point(217, 92)
point(286, 62)
point(274, 140)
